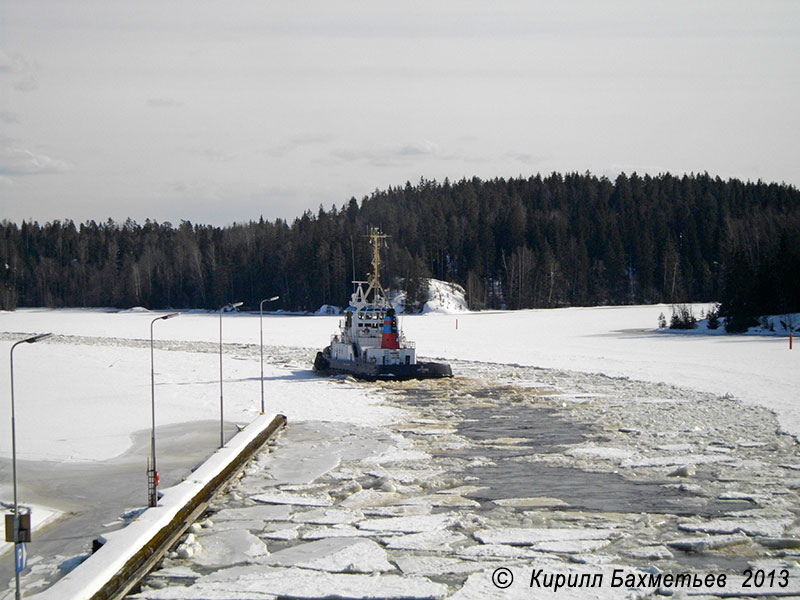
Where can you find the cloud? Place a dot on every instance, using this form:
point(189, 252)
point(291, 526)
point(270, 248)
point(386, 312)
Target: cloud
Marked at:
point(163, 103)
point(22, 71)
point(9, 117)
point(216, 155)
point(18, 161)
point(6, 63)
point(298, 142)
point(382, 156)
point(28, 84)
point(526, 158)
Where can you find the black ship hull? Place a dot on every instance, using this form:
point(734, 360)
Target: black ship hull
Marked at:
point(324, 364)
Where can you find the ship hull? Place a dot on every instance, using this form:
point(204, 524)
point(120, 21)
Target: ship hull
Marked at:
point(373, 372)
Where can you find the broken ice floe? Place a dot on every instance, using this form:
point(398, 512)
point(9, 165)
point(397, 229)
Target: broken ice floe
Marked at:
point(337, 531)
point(754, 498)
point(252, 525)
point(284, 535)
point(280, 497)
point(601, 452)
point(533, 536)
point(481, 586)
point(328, 516)
point(399, 510)
point(677, 460)
point(441, 500)
point(229, 548)
point(497, 552)
point(711, 542)
point(342, 555)
point(658, 552)
point(413, 524)
point(254, 582)
point(428, 541)
point(364, 498)
point(570, 546)
point(264, 512)
point(536, 502)
point(753, 527)
point(463, 490)
point(188, 547)
point(435, 565)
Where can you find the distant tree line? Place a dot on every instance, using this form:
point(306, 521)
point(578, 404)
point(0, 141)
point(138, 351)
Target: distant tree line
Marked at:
point(559, 240)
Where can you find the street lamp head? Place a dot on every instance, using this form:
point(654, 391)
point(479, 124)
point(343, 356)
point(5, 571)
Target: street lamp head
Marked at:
point(37, 338)
point(236, 304)
point(265, 300)
point(170, 315)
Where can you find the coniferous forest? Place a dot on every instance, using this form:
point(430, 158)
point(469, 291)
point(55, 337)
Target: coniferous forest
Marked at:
point(560, 240)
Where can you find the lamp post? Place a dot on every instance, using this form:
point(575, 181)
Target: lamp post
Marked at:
point(153, 489)
point(229, 306)
point(17, 540)
point(261, 332)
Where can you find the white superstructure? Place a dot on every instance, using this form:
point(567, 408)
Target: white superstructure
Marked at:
point(369, 332)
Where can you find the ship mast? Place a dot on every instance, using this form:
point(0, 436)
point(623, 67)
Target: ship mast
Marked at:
point(376, 239)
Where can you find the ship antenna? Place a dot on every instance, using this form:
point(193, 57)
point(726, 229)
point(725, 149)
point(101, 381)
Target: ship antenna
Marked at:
point(353, 257)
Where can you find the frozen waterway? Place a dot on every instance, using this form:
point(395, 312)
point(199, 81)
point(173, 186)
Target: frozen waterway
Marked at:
point(595, 473)
point(718, 449)
point(504, 436)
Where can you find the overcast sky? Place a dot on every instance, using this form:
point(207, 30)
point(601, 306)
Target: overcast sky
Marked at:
point(226, 111)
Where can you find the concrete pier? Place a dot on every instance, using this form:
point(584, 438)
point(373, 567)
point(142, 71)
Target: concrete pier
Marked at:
point(128, 554)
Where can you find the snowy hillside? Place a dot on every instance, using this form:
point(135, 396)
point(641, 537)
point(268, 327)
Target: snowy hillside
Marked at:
point(443, 297)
